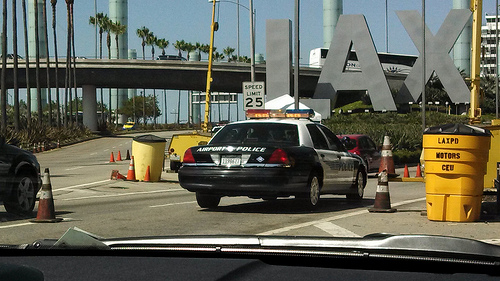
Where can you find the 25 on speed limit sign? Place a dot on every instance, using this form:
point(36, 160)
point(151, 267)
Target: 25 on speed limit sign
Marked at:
point(253, 94)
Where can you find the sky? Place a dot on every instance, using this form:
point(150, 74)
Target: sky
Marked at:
point(190, 20)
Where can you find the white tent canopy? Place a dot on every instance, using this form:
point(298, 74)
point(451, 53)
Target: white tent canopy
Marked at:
point(285, 102)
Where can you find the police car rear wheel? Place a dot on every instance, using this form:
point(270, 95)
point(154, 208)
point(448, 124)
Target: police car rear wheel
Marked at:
point(311, 199)
point(207, 200)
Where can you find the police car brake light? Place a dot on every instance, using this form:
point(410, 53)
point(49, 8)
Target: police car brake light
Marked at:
point(188, 156)
point(299, 113)
point(279, 156)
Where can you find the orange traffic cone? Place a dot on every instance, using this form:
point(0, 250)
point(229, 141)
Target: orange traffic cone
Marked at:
point(382, 197)
point(147, 175)
point(119, 156)
point(419, 171)
point(131, 170)
point(111, 158)
point(386, 161)
point(46, 212)
point(406, 173)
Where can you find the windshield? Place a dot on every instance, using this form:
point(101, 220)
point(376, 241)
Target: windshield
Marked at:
point(125, 142)
point(269, 134)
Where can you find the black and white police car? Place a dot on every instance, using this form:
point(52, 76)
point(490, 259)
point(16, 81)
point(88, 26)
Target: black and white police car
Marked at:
point(274, 154)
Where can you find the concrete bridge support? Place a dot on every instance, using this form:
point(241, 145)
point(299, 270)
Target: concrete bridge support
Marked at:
point(89, 107)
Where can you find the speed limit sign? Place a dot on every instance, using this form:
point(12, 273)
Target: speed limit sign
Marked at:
point(253, 94)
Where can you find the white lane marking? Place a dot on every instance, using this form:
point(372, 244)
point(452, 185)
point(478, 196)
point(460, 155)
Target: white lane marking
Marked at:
point(81, 185)
point(106, 150)
point(333, 218)
point(335, 230)
point(74, 168)
point(173, 204)
point(15, 225)
point(119, 195)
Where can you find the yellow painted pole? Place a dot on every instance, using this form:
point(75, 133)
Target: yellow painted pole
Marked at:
point(204, 126)
point(475, 110)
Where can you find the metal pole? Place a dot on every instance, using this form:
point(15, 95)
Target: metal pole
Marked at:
point(204, 126)
point(496, 60)
point(238, 28)
point(252, 44)
point(386, 27)
point(423, 65)
point(297, 56)
point(96, 31)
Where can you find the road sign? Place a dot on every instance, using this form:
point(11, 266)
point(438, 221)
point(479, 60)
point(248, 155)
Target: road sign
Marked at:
point(253, 95)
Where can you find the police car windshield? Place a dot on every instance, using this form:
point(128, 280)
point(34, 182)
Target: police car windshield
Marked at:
point(258, 133)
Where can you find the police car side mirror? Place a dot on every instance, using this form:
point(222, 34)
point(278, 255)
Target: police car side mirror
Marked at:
point(347, 143)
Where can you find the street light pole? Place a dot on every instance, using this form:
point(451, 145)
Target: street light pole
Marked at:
point(297, 56)
point(252, 43)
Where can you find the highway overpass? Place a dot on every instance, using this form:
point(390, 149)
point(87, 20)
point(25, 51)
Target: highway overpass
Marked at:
point(157, 74)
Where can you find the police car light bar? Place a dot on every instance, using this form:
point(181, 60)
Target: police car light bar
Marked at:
point(278, 113)
point(299, 113)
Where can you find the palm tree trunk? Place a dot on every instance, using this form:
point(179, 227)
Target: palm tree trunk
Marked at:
point(67, 81)
point(28, 87)
point(16, 66)
point(49, 96)
point(74, 60)
point(4, 69)
point(58, 101)
point(37, 64)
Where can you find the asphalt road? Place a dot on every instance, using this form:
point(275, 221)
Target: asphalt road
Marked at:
point(85, 197)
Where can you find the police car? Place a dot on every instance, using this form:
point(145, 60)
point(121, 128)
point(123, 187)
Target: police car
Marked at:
point(274, 154)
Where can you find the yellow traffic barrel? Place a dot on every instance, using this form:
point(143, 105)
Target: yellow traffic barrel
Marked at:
point(148, 150)
point(455, 158)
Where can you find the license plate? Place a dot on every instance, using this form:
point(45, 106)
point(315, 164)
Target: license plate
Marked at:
point(230, 160)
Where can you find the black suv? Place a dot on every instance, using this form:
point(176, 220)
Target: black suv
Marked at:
point(19, 179)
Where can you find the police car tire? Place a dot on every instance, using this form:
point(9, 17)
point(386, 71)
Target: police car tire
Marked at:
point(311, 198)
point(207, 200)
point(358, 187)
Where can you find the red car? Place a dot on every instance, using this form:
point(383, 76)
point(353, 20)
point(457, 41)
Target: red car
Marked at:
point(363, 146)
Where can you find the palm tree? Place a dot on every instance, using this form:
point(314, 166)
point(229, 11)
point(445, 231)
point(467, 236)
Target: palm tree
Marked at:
point(205, 48)
point(218, 56)
point(179, 45)
point(99, 21)
point(26, 52)
point(46, 35)
point(151, 41)
point(16, 86)
point(58, 102)
point(4, 68)
point(228, 51)
point(189, 48)
point(162, 44)
point(103, 22)
point(143, 34)
point(118, 29)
